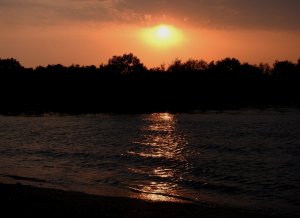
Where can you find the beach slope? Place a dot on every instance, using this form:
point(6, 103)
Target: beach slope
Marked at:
point(27, 201)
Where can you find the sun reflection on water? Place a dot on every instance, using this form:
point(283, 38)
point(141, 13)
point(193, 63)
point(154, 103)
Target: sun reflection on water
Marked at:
point(160, 142)
point(158, 191)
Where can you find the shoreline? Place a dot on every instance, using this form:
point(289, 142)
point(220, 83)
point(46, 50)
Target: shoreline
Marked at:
point(24, 200)
point(33, 113)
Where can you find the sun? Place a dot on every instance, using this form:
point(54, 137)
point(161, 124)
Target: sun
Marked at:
point(162, 36)
point(163, 32)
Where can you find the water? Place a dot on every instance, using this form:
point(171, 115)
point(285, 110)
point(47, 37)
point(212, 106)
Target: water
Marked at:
point(247, 158)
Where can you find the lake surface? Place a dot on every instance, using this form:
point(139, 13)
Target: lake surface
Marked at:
point(246, 158)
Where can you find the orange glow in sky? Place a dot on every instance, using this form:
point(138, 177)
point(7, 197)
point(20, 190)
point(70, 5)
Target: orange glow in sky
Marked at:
point(155, 45)
point(157, 32)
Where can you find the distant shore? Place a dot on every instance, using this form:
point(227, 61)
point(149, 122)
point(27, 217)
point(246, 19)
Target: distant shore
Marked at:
point(125, 85)
point(27, 201)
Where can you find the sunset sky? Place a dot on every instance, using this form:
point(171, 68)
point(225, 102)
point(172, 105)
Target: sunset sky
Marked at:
point(86, 32)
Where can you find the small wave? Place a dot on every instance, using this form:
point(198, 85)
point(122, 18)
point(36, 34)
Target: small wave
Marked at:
point(24, 178)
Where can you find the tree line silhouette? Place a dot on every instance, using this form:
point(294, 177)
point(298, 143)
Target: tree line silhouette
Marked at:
point(125, 85)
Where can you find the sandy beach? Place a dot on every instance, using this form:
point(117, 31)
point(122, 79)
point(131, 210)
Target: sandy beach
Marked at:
point(27, 201)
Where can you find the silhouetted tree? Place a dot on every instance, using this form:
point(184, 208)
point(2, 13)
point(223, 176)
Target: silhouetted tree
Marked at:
point(10, 65)
point(176, 66)
point(160, 69)
point(58, 68)
point(195, 65)
point(124, 84)
point(228, 65)
point(126, 64)
point(265, 68)
point(190, 66)
point(283, 67)
point(298, 67)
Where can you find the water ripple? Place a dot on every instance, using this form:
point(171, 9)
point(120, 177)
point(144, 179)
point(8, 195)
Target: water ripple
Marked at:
point(248, 158)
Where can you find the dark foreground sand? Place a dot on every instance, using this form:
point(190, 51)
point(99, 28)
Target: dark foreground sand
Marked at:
point(27, 201)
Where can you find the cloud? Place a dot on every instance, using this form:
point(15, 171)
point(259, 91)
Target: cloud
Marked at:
point(33, 12)
point(282, 14)
point(259, 14)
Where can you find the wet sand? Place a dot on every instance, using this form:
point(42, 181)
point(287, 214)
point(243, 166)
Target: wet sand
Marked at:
point(27, 201)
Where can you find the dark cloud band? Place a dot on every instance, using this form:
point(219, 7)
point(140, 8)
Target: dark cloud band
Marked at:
point(261, 14)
